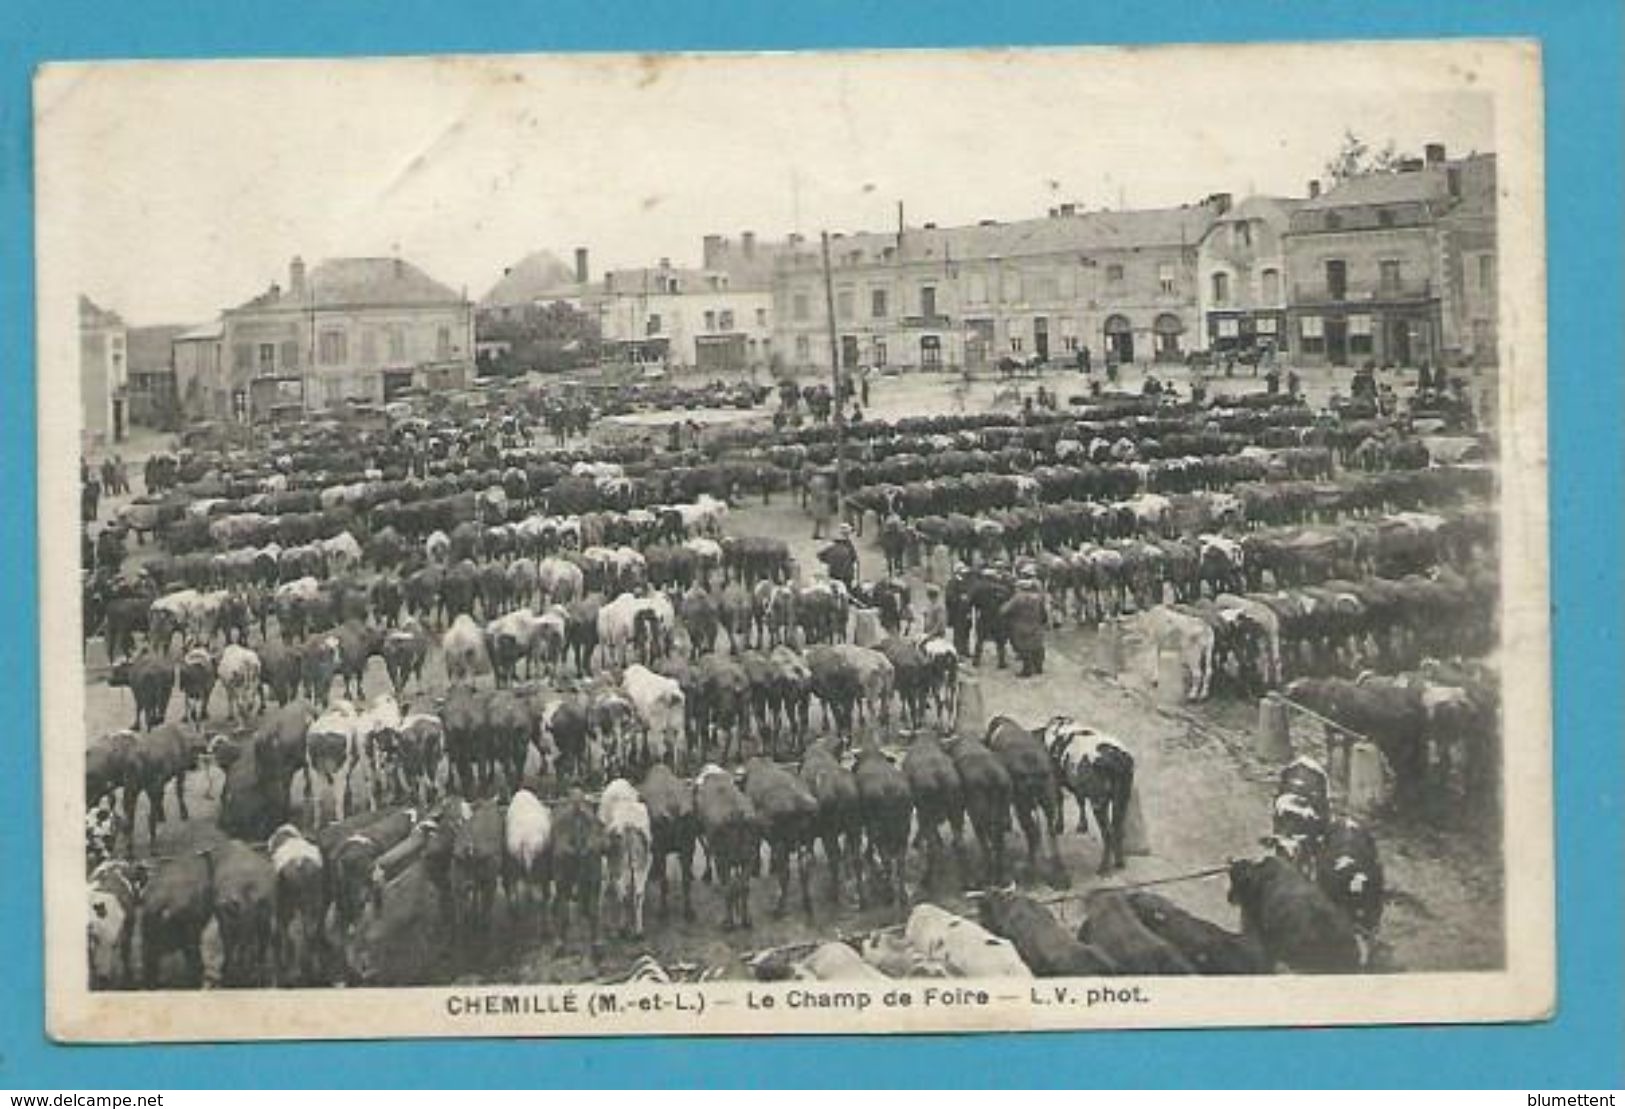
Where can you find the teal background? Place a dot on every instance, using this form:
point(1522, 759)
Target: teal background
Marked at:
point(1582, 1047)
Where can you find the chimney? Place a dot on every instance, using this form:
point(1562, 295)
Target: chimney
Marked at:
point(581, 265)
point(989, 223)
point(1434, 152)
point(400, 268)
point(795, 238)
point(1220, 202)
point(1068, 210)
point(747, 243)
point(711, 252)
point(1314, 188)
point(665, 263)
point(296, 276)
point(1410, 165)
point(930, 227)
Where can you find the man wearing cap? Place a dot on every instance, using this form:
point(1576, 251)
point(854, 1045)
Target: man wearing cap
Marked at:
point(935, 621)
point(841, 557)
point(1025, 619)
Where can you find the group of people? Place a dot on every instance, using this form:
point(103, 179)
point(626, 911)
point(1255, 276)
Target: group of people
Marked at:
point(112, 478)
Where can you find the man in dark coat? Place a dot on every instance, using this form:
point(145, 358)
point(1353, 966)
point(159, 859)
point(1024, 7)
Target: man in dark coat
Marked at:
point(1025, 619)
point(957, 608)
point(841, 557)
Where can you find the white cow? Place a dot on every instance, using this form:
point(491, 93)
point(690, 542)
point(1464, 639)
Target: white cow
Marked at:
point(239, 672)
point(464, 648)
point(330, 747)
point(627, 861)
point(660, 705)
point(1190, 639)
point(527, 836)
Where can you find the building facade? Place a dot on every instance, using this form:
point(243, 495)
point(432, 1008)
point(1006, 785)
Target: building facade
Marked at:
point(103, 375)
point(1241, 277)
point(201, 387)
point(1389, 267)
point(686, 318)
point(1120, 284)
point(352, 329)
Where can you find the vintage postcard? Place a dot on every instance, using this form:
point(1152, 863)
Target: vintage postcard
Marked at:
point(794, 543)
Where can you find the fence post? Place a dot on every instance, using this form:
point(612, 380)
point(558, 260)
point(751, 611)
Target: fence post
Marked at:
point(1109, 647)
point(970, 722)
point(1274, 737)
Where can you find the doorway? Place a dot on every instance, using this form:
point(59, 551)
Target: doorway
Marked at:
point(1399, 342)
point(849, 352)
point(1337, 342)
point(1041, 337)
point(1119, 340)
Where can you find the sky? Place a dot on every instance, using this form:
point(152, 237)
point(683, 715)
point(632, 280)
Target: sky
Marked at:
point(173, 190)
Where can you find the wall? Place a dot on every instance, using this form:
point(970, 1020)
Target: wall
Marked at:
point(103, 379)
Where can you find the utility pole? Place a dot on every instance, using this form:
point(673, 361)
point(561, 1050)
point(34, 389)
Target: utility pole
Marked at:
point(835, 375)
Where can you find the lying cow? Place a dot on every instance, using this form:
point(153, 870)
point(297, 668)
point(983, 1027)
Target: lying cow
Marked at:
point(1047, 948)
point(1291, 919)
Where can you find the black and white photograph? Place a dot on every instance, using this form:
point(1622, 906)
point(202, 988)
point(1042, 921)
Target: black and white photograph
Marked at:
point(804, 542)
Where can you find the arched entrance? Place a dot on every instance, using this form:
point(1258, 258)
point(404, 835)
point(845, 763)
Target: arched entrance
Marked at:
point(1168, 328)
point(1119, 339)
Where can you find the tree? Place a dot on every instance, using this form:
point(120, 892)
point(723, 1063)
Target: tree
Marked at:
point(1355, 158)
point(547, 337)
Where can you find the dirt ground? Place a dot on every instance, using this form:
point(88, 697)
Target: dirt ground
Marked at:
point(1204, 795)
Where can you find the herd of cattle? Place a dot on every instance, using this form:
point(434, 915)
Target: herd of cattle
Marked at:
point(636, 649)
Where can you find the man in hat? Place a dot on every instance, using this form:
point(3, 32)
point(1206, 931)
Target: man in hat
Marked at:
point(841, 557)
point(936, 613)
point(957, 607)
point(1025, 618)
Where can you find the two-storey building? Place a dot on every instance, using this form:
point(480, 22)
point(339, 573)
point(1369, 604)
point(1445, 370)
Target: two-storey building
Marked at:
point(1242, 276)
point(103, 374)
point(686, 318)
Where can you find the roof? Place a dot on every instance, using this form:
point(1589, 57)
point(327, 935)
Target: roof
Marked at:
point(1265, 208)
point(214, 329)
point(540, 275)
point(1415, 187)
point(151, 348)
point(1122, 230)
point(359, 283)
point(92, 315)
point(646, 279)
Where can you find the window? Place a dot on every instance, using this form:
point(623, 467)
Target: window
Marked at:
point(930, 350)
point(1229, 327)
point(799, 308)
point(1452, 178)
point(1221, 288)
point(334, 348)
point(1015, 344)
point(290, 354)
point(1337, 279)
point(442, 343)
point(267, 362)
point(397, 343)
point(880, 352)
point(1359, 334)
point(1334, 221)
point(1243, 233)
point(1312, 329)
point(877, 303)
point(928, 301)
point(652, 325)
point(1114, 274)
point(843, 304)
point(976, 288)
point(1165, 274)
point(1069, 333)
point(1271, 286)
point(1389, 275)
point(369, 346)
point(803, 349)
point(761, 317)
point(1265, 325)
point(710, 320)
point(725, 319)
point(1385, 217)
point(1486, 273)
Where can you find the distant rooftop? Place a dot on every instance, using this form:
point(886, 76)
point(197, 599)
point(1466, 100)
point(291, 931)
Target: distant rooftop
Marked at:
point(538, 276)
point(92, 315)
point(359, 283)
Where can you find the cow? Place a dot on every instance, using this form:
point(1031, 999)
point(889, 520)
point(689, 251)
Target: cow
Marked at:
point(1099, 773)
point(628, 839)
point(578, 859)
point(150, 678)
point(840, 817)
point(332, 749)
point(787, 813)
point(526, 857)
point(244, 898)
point(934, 786)
point(1349, 872)
point(279, 671)
point(417, 757)
point(1112, 926)
point(239, 673)
point(673, 830)
point(476, 867)
point(942, 676)
point(1035, 791)
point(662, 708)
point(197, 679)
point(176, 904)
point(318, 665)
point(1190, 639)
point(464, 650)
point(887, 808)
point(114, 894)
point(1048, 949)
point(301, 906)
point(463, 715)
point(350, 850)
point(509, 640)
point(732, 839)
point(509, 729)
point(158, 758)
point(405, 649)
point(1209, 948)
point(1291, 919)
point(986, 788)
